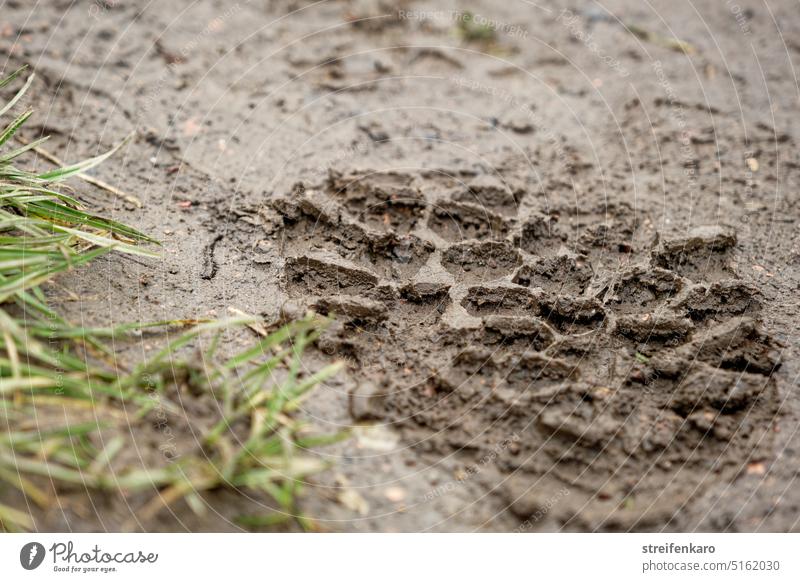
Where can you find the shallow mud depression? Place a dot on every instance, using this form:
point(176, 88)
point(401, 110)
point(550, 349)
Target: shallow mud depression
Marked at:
point(558, 241)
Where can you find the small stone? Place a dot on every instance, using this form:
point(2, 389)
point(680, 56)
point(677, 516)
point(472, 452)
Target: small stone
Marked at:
point(395, 494)
point(291, 311)
point(519, 121)
point(366, 402)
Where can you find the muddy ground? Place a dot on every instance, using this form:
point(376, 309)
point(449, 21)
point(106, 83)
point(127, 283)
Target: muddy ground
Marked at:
point(560, 243)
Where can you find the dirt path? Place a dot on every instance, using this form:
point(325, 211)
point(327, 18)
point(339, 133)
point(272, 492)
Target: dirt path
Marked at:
point(561, 243)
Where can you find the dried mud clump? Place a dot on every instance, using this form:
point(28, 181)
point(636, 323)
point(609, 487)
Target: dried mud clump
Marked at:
point(623, 368)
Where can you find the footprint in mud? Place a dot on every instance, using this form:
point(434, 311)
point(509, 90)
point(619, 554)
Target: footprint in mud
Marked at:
point(516, 334)
point(630, 371)
point(609, 230)
point(491, 193)
point(721, 299)
point(459, 221)
point(572, 314)
point(325, 275)
point(476, 262)
point(313, 222)
point(649, 406)
point(309, 220)
point(640, 299)
point(398, 257)
point(541, 235)
point(358, 311)
point(600, 234)
point(501, 300)
point(420, 304)
point(709, 388)
point(559, 275)
point(654, 329)
point(738, 344)
point(386, 201)
point(643, 290)
point(553, 377)
point(706, 254)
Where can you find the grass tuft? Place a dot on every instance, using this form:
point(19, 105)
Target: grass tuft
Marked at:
point(57, 380)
